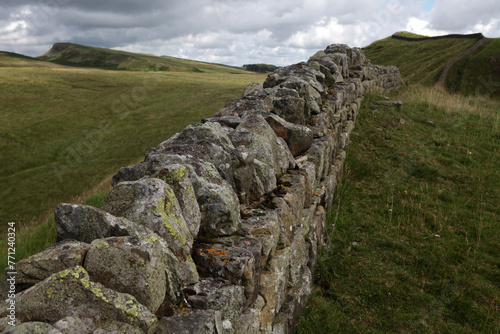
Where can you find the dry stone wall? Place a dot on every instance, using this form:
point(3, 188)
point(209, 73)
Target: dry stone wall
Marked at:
point(218, 229)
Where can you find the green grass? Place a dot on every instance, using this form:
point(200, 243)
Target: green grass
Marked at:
point(63, 129)
point(415, 244)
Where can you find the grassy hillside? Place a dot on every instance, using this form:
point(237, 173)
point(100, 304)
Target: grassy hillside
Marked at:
point(422, 62)
point(478, 74)
point(87, 56)
point(419, 62)
point(64, 129)
point(412, 242)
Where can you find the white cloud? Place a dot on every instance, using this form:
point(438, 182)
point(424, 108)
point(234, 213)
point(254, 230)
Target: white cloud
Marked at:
point(232, 31)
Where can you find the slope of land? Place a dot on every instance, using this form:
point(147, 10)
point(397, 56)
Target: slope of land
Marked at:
point(422, 60)
point(87, 56)
point(63, 129)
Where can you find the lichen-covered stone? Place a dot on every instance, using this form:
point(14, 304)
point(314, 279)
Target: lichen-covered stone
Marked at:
point(299, 256)
point(274, 282)
point(177, 270)
point(236, 259)
point(130, 265)
point(217, 200)
point(225, 121)
point(86, 223)
point(72, 293)
point(72, 325)
point(152, 203)
point(272, 158)
point(266, 228)
point(296, 299)
point(286, 220)
point(34, 327)
point(206, 141)
point(252, 88)
point(36, 268)
point(188, 322)
point(178, 177)
point(219, 295)
point(298, 138)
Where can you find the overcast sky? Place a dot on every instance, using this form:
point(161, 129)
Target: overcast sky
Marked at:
point(233, 32)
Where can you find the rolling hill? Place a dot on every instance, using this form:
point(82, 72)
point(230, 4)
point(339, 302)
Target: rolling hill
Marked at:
point(88, 56)
point(64, 129)
point(422, 60)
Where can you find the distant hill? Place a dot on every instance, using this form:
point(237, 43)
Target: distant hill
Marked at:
point(422, 60)
point(70, 54)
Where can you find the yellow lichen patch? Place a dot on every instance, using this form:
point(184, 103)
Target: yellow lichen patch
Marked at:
point(151, 238)
point(101, 243)
point(85, 283)
point(64, 273)
point(166, 208)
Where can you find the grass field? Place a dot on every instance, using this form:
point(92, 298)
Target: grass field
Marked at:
point(413, 237)
point(63, 130)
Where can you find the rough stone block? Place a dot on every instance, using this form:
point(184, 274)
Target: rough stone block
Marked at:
point(188, 322)
point(226, 299)
point(273, 287)
point(236, 259)
point(130, 265)
point(31, 270)
point(72, 293)
point(266, 229)
point(298, 137)
point(152, 203)
point(299, 257)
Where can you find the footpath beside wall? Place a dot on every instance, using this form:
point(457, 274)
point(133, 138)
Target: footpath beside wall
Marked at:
point(218, 229)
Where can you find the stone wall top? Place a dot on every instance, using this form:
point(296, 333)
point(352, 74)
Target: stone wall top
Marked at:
point(217, 230)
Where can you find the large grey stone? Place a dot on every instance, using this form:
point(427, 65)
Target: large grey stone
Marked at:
point(204, 141)
point(226, 299)
point(189, 322)
point(234, 258)
point(178, 177)
point(34, 327)
point(266, 228)
point(130, 265)
point(31, 270)
point(298, 137)
point(72, 293)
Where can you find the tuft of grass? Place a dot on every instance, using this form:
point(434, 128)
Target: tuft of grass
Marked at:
point(412, 242)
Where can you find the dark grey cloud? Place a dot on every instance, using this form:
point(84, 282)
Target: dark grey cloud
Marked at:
point(226, 31)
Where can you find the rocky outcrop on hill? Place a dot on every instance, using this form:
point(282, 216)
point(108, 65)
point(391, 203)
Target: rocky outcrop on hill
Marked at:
point(219, 228)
